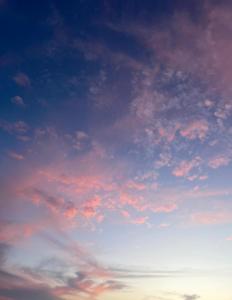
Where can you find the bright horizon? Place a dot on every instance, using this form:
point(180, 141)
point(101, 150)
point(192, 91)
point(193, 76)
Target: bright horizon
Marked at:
point(116, 150)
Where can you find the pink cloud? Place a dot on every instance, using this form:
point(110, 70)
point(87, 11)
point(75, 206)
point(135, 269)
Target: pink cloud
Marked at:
point(169, 133)
point(89, 286)
point(163, 225)
point(212, 218)
point(81, 184)
point(165, 208)
point(195, 129)
point(125, 213)
point(90, 206)
point(203, 177)
point(139, 220)
point(219, 161)
point(212, 44)
point(13, 233)
point(185, 167)
point(54, 203)
point(100, 218)
point(71, 212)
point(93, 202)
point(137, 202)
point(88, 212)
point(135, 185)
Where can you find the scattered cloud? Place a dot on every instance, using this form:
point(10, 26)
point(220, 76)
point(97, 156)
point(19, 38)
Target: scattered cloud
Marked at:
point(195, 129)
point(18, 101)
point(18, 127)
point(15, 155)
point(128, 138)
point(22, 79)
point(185, 167)
point(219, 161)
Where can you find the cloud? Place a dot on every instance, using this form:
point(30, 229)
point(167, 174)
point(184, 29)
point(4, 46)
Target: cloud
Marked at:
point(3, 250)
point(15, 155)
point(190, 297)
point(140, 220)
point(71, 212)
point(18, 101)
point(12, 232)
point(185, 167)
point(90, 206)
point(212, 218)
point(209, 35)
point(15, 286)
point(92, 279)
point(219, 161)
point(27, 284)
point(85, 285)
point(163, 225)
point(195, 129)
point(28, 293)
point(164, 208)
point(153, 111)
point(18, 127)
point(22, 79)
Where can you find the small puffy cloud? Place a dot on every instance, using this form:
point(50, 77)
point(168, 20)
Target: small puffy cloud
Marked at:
point(22, 79)
point(208, 103)
point(15, 155)
point(71, 212)
point(18, 101)
point(81, 135)
point(139, 220)
point(163, 225)
point(81, 140)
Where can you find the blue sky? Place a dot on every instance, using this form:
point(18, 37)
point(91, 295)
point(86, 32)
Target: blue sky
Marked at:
point(115, 150)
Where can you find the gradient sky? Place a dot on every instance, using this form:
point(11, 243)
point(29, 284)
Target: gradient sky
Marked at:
point(115, 150)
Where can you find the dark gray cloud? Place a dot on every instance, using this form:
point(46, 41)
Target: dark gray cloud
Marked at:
point(190, 297)
point(3, 250)
point(24, 293)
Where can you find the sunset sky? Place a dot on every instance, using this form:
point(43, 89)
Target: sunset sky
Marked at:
point(116, 150)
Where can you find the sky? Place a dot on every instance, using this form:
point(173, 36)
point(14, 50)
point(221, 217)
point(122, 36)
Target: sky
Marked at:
point(115, 150)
